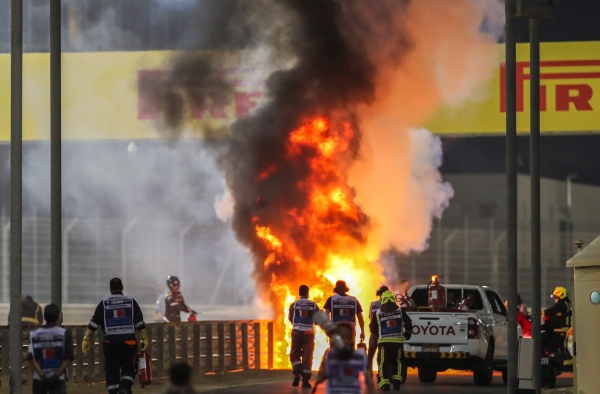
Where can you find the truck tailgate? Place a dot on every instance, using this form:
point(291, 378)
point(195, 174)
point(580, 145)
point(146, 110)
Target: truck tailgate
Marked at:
point(439, 328)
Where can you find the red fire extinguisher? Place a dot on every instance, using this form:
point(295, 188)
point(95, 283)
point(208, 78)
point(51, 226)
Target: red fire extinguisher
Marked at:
point(362, 346)
point(436, 293)
point(145, 368)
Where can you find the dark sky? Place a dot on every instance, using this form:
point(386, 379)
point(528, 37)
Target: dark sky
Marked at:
point(575, 20)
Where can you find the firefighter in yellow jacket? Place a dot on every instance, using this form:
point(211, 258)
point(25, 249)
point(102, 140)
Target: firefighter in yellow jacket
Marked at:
point(393, 327)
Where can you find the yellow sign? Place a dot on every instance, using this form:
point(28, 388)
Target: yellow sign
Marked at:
point(106, 95)
point(569, 94)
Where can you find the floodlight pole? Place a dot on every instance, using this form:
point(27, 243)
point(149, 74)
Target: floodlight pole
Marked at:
point(535, 10)
point(16, 194)
point(511, 193)
point(534, 165)
point(55, 156)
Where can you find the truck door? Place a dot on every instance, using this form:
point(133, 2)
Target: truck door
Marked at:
point(500, 324)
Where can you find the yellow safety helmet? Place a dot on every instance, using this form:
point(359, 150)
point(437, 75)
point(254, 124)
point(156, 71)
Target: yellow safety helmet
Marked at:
point(560, 292)
point(388, 296)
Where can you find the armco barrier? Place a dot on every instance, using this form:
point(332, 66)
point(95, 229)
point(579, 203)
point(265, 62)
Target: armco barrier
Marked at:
point(208, 346)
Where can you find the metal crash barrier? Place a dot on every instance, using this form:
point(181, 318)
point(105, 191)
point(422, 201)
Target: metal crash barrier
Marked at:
point(208, 346)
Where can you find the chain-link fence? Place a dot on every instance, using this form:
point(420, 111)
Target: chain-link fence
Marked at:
point(144, 252)
point(212, 267)
point(477, 255)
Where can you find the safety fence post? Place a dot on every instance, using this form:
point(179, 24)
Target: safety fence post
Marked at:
point(130, 225)
point(100, 334)
point(182, 235)
point(271, 344)
point(245, 361)
point(5, 260)
point(172, 349)
point(160, 350)
point(35, 253)
point(257, 345)
point(208, 347)
point(184, 342)
point(66, 259)
point(79, 356)
point(5, 373)
point(233, 346)
point(221, 346)
point(28, 370)
point(496, 260)
point(196, 351)
point(447, 240)
point(91, 369)
point(466, 250)
point(150, 346)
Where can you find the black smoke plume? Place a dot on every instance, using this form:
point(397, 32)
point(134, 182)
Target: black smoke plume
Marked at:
point(334, 46)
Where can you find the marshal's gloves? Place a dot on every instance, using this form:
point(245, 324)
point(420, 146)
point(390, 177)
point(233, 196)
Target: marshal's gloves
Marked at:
point(85, 344)
point(143, 339)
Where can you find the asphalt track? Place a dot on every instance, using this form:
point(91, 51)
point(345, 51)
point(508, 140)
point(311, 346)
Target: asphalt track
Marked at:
point(448, 382)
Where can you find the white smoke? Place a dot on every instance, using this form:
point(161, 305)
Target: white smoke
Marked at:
point(224, 206)
point(397, 180)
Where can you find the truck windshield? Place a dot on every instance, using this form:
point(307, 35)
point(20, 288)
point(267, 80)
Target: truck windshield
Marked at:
point(454, 297)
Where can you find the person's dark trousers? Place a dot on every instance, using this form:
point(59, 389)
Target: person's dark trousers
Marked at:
point(391, 357)
point(41, 387)
point(372, 350)
point(119, 364)
point(301, 353)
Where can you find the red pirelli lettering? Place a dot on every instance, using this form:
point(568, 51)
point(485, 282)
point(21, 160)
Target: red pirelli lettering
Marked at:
point(579, 95)
point(209, 105)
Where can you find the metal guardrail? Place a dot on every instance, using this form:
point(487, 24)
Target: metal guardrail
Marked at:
point(208, 346)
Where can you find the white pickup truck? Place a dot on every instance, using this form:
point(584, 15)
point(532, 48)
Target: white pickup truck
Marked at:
point(451, 338)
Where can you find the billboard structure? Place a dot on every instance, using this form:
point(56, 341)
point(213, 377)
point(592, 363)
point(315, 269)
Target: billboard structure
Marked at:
point(106, 95)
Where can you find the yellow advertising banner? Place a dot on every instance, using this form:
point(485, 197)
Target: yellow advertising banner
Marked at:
point(569, 94)
point(106, 95)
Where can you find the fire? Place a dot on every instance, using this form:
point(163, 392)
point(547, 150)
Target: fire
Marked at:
point(319, 239)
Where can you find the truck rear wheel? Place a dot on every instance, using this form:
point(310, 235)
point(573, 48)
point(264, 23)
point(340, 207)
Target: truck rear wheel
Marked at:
point(484, 375)
point(427, 374)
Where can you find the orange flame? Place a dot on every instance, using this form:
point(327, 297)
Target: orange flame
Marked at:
point(322, 240)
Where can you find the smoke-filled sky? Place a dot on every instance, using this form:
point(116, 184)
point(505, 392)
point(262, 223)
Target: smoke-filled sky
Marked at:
point(381, 67)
